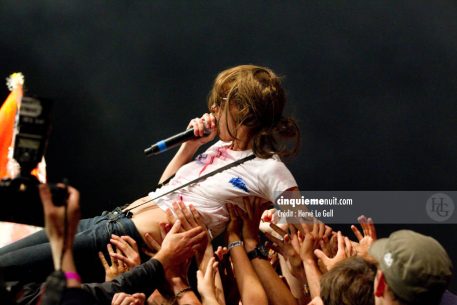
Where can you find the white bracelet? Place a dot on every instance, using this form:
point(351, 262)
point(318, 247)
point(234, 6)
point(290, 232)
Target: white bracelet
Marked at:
point(235, 244)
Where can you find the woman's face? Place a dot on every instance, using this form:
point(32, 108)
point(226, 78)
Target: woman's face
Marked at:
point(222, 120)
point(226, 123)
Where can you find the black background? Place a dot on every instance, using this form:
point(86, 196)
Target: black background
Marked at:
point(372, 85)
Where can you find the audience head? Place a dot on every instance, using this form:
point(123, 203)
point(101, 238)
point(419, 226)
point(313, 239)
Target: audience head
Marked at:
point(412, 269)
point(350, 282)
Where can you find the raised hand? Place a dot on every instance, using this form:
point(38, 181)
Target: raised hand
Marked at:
point(288, 247)
point(129, 250)
point(344, 251)
point(117, 266)
point(368, 237)
point(251, 220)
point(178, 247)
point(206, 282)
point(309, 239)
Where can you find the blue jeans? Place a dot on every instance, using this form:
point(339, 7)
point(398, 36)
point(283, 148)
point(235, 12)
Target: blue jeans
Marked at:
point(30, 259)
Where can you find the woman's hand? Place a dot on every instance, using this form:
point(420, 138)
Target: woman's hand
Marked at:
point(207, 122)
point(289, 248)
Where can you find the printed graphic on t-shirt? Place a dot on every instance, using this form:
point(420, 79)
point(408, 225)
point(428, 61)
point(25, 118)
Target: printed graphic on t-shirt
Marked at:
point(239, 183)
point(206, 159)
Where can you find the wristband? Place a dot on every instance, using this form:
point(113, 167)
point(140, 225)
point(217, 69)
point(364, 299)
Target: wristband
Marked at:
point(234, 244)
point(182, 291)
point(72, 276)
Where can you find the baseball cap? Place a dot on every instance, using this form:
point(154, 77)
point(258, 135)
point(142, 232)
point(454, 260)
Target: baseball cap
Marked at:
point(416, 267)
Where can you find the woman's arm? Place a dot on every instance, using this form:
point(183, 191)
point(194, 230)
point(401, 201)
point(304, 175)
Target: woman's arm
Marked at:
point(188, 149)
point(184, 155)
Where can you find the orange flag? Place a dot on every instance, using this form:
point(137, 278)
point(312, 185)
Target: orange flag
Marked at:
point(7, 118)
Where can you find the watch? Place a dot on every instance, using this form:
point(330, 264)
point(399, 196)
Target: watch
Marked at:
point(259, 252)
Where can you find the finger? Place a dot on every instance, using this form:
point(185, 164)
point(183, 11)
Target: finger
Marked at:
point(327, 233)
point(187, 214)
point(193, 233)
point(304, 228)
point(315, 230)
point(120, 246)
point(131, 242)
point(118, 298)
point(201, 127)
point(170, 216)
point(321, 255)
point(109, 247)
point(292, 230)
point(248, 207)
point(357, 233)
point(115, 298)
point(363, 222)
point(372, 228)
point(194, 124)
point(179, 213)
point(277, 229)
point(348, 245)
point(196, 215)
point(151, 242)
point(197, 239)
point(244, 216)
point(103, 260)
point(140, 297)
point(340, 242)
point(175, 228)
point(163, 229)
point(209, 268)
point(199, 276)
point(321, 230)
point(121, 260)
point(212, 121)
point(128, 300)
point(231, 211)
point(207, 121)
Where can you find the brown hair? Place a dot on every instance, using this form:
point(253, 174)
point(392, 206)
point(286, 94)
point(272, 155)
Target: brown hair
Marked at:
point(259, 100)
point(349, 283)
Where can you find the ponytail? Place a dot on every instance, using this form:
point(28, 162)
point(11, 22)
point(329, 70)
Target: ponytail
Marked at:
point(282, 139)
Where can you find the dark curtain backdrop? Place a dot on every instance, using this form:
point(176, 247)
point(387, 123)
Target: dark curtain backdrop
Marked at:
point(373, 86)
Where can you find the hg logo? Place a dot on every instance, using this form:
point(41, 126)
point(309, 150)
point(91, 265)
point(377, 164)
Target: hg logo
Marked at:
point(440, 207)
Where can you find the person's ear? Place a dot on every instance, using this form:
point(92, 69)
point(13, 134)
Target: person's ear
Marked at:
point(380, 285)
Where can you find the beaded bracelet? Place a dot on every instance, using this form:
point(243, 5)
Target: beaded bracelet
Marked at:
point(234, 244)
point(72, 276)
point(182, 291)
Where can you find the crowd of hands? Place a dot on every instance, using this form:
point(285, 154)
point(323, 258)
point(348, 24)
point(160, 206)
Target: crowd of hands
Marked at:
point(299, 253)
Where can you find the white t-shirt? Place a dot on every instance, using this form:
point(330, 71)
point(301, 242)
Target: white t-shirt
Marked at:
point(265, 178)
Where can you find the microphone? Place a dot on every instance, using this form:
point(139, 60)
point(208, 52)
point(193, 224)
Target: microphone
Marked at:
point(172, 141)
